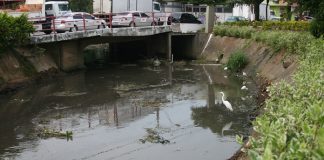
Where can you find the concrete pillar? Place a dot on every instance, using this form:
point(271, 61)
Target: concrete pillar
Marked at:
point(168, 47)
point(210, 18)
point(71, 56)
point(211, 96)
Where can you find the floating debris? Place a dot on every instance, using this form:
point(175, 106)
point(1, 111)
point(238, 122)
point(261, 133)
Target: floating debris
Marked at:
point(68, 94)
point(132, 87)
point(153, 137)
point(48, 133)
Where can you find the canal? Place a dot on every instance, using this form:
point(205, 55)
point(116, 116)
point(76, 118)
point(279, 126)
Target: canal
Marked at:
point(128, 112)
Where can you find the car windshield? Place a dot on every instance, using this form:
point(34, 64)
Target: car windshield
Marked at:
point(67, 15)
point(176, 15)
point(63, 7)
point(123, 14)
point(156, 7)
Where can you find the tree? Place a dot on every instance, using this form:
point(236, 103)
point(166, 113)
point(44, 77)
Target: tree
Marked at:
point(14, 31)
point(316, 9)
point(208, 2)
point(81, 5)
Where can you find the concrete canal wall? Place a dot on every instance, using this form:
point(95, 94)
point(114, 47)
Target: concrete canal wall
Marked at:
point(21, 65)
point(263, 61)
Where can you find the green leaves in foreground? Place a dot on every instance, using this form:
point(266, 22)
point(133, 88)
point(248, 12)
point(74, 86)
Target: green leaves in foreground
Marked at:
point(292, 126)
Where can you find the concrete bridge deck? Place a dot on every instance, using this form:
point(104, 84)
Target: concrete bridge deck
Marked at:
point(112, 32)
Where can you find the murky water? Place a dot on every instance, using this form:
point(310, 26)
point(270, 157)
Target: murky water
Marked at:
point(113, 111)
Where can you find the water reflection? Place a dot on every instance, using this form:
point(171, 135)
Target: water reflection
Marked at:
point(84, 102)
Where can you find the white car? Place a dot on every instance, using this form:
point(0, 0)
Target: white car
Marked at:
point(77, 21)
point(133, 19)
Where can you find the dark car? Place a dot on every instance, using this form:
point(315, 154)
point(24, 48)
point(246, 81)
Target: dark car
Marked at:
point(183, 18)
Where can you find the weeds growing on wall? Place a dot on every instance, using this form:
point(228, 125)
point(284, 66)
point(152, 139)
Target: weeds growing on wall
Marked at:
point(292, 125)
point(237, 61)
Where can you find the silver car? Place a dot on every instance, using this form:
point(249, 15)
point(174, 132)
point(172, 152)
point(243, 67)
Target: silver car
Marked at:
point(77, 21)
point(133, 19)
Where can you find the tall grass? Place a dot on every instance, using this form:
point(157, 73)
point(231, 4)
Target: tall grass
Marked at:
point(237, 61)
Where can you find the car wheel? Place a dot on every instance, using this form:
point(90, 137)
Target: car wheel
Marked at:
point(47, 32)
point(101, 26)
point(153, 24)
point(74, 29)
point(132, 24)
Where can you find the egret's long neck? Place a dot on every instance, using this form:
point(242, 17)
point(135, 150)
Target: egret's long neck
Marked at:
point(223, 97)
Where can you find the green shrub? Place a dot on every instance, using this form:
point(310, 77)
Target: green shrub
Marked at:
point(14, 31)
point(292, 42)
point(317, 28)
point(237, 61)
point(292, 126)
point(273, 25)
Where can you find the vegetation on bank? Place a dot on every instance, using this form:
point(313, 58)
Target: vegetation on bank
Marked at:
point(14, 31)
point(292, 125)
point(292, 42)
point(237, 61)
point(273, 25)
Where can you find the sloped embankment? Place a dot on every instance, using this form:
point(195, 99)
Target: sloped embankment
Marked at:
point(22, 65)
point(263, 61)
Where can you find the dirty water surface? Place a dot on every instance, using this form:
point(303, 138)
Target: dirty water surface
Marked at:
point(128, 112)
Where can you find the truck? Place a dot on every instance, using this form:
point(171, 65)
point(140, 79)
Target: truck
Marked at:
point(41, 12)
point(136, 5)
point(103, 8)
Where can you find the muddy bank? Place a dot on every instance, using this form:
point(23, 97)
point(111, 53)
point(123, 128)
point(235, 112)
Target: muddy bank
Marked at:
point(21, 66)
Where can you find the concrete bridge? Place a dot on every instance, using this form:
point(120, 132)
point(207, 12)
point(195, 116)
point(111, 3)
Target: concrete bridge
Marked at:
point(66, 48)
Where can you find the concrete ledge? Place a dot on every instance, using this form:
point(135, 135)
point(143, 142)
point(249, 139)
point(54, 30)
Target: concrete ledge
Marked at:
point(117, 32)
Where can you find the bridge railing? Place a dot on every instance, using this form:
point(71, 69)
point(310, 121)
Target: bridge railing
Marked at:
point(86, 22)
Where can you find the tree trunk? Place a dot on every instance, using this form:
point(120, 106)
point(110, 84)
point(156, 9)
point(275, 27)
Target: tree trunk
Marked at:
point(267, 9)
point(288, 10)
point(257, 11)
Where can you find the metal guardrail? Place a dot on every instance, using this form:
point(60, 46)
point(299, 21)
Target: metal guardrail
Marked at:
point(81, 22)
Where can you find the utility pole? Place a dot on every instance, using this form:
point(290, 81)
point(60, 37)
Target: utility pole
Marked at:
point(210, 18)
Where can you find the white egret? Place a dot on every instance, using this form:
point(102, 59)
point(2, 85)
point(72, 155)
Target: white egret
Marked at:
point(225, 68)
point(244, 88)
point(244, 74)
point(226, 103)
point(156, 62)
point(227, 127)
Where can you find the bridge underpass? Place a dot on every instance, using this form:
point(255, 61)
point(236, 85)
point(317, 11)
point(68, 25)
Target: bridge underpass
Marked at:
point(67, 48)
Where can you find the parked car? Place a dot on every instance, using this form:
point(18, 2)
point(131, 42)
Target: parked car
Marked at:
point(78, 21)
point(235, 19)
point(275, 18)
point(183, 18)
point(132, 19)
